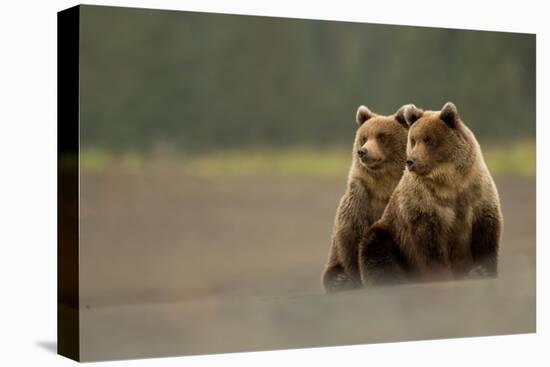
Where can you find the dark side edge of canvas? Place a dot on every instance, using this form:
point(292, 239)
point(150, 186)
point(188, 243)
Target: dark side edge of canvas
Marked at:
point(68, 96)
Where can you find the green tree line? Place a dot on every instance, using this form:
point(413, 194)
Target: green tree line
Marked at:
point(198, 81)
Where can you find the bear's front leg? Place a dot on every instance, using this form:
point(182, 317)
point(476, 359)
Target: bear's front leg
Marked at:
point(380, 260)
point(486, 229)
point(335, 279)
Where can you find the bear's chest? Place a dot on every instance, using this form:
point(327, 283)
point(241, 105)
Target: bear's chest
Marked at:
point(439, 231)
point(377, 204)
point(458, 238)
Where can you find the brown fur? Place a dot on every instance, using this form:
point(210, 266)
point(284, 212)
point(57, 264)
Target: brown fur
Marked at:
point(371, 181)
point(443, 219)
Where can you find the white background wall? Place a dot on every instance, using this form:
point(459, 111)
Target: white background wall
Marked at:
point(28, 181)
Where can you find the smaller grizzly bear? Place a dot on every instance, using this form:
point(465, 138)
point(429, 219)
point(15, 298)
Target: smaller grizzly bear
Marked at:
point(443, 220)
point(378, 161)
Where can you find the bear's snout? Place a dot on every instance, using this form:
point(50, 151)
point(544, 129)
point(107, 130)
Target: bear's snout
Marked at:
point(362, 153)
point(410, 162)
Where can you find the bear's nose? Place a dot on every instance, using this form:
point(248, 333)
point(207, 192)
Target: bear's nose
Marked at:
point(410, 162)
point(362, 152)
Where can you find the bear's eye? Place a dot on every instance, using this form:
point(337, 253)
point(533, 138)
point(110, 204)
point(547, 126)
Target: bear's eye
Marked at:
point(428, 141)
point(413, 142)
point(381, 137)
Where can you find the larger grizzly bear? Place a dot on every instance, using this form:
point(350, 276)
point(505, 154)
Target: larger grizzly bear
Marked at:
point(377, 165)
point(443, 220)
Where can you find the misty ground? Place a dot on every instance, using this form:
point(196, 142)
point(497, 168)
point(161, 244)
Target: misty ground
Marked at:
point(173, 264)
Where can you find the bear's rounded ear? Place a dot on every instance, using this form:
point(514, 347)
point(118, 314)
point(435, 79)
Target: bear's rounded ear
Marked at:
point(400, 115)
point(449, 114)
point(412, 113)
point(363, 114)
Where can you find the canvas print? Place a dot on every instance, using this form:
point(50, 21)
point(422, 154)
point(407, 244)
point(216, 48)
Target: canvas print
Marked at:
point(233, 183)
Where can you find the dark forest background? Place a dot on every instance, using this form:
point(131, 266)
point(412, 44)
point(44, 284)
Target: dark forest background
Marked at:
point(193, 82)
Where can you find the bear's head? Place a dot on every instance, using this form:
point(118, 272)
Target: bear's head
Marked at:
point(380, 141)
point(439, 144)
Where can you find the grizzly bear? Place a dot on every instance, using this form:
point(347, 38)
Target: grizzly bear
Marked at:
point(378, 161)
point(443, 220)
